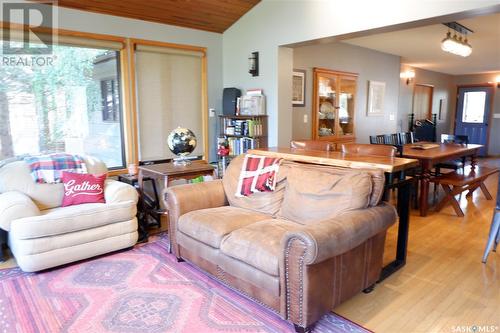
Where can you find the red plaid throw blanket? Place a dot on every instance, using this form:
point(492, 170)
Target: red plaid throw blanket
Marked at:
point(49, 168)
point(258, 174)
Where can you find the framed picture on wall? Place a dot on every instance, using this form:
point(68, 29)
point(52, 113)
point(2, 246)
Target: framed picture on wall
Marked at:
point(299, 87)
point(376, 95)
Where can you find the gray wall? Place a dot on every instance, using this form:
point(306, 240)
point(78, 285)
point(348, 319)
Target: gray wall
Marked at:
point(370, 65)
point(444, 89)
point(494, 142)
point(271, 24)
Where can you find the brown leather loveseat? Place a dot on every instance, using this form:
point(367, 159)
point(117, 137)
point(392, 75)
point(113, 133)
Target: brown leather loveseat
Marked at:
point(314, 242)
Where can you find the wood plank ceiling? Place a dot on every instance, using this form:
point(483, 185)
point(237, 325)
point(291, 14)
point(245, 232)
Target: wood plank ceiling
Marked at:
point(208, 15)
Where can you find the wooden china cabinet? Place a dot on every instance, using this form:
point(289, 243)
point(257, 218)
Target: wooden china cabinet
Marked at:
point(334, 95)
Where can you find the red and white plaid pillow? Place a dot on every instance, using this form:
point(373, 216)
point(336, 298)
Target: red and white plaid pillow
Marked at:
point(258, 174)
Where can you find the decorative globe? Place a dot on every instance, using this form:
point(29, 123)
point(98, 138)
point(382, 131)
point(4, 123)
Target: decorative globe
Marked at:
point(181, 142)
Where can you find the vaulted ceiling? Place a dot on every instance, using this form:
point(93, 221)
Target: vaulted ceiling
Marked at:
point(209, 15)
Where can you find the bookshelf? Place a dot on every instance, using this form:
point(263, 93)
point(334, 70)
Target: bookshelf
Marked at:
point(241, 133)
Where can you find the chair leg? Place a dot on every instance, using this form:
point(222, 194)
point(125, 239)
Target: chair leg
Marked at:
point(3, 240)
point(493, 236)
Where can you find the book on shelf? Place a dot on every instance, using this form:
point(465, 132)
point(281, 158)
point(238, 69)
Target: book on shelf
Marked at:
point(239, 146)
point(242, 127)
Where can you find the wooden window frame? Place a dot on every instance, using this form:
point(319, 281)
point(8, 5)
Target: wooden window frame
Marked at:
point(128, 85)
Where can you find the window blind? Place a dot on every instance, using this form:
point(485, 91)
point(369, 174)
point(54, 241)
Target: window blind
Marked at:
point(169, 95)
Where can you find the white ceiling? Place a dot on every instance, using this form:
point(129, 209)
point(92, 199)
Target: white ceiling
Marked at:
point(421, 47)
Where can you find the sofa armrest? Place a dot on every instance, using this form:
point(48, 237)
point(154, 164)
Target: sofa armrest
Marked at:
point(330, 238)
point(310, 255)
point(115, 192)
point(182, 199)
point(15, 205)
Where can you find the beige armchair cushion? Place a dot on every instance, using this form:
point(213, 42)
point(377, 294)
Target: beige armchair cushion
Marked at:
point(258, 244)
point(211, 225)
point(313, 195)
point(265, 202)
point(63, 220)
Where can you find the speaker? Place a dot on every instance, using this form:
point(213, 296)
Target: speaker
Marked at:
point(229, 98)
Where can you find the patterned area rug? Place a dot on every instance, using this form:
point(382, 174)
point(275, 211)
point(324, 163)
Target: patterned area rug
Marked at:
point(139, 290)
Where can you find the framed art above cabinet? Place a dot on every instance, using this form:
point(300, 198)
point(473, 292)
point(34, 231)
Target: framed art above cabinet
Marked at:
point(334, 95)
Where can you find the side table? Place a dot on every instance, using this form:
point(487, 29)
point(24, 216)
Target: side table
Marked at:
point(165, 173)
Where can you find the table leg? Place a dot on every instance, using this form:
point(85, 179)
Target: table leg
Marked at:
point(141, 216)
point(473, 161)
point(424, 190)
point(403, 207)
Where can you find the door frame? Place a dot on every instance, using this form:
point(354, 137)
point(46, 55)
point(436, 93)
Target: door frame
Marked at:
point(431, 99)
point(490, 117)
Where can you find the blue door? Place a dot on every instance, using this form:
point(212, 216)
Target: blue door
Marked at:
point(473, 114)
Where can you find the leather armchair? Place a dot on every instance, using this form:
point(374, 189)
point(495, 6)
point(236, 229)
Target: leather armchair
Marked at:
point(41, 234)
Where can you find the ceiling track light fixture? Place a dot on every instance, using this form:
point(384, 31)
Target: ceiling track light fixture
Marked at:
point(458, 45)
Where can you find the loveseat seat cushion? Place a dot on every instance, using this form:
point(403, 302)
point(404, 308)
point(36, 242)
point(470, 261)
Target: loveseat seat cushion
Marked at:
point(258, 244)
point(262, 202)
point(313, 195)
point(211, 225)
point(57, 221)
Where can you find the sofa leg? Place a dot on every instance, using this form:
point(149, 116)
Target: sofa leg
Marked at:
point(369, 289)
point(300, 329)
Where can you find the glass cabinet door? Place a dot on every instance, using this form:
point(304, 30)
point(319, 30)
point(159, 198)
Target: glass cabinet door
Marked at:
point(347, 92)
point(327, 116)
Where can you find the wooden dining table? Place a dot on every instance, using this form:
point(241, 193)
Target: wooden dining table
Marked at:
point(390, 165)
point(429, 154)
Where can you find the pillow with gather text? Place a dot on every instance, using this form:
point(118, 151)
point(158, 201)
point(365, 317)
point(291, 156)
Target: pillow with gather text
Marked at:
point(82, 188)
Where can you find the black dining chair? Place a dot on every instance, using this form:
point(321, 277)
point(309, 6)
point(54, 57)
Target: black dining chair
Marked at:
point(453, 164)
point(377, 139)
point(406, 138)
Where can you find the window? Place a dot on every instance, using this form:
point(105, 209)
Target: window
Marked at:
point(473, 109)
point(110, 100)
point(71, 105)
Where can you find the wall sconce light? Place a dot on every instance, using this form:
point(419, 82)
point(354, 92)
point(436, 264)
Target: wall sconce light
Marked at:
point(409, 75)
point(253, 63)
point(497, 80)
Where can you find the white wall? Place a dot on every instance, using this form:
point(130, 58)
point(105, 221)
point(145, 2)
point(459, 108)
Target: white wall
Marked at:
point(370, 65)
point(274, 23)
point(77, 20)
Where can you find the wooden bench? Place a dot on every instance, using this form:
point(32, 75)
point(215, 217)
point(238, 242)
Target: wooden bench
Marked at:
point(466, 179)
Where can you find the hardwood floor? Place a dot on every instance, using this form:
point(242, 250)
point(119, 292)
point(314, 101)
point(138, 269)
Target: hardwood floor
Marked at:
point(444, 287)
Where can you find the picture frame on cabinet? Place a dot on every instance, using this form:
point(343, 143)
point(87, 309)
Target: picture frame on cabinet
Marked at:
point(299, 87)
point(376, 95)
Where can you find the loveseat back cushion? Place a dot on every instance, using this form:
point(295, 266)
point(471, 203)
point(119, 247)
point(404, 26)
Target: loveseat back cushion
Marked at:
point(16, 176)
point(377, 177)
point(263, 202)
point(312, 195)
